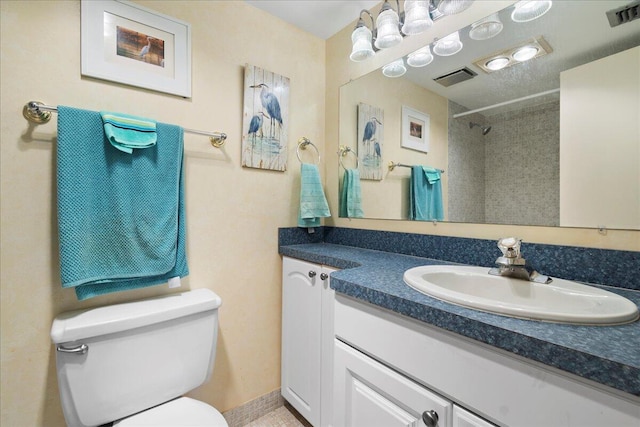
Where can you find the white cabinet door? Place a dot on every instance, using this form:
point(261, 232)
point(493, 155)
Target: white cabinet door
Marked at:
point(369, 394)
point(307, 340)
point(301, 347)
point(464, 418)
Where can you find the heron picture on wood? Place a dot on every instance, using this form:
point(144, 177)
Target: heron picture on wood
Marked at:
point(370, 141)
point(265, 121)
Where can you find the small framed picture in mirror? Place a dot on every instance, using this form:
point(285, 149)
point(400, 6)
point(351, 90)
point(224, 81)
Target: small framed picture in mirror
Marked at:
point(415, 129)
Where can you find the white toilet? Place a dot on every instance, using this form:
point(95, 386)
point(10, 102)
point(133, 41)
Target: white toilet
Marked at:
point(129, 364)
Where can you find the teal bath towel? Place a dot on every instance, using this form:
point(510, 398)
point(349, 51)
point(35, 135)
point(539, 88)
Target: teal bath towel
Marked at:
point(425, 194)
point(351, 195)
point(121, 217)
point(126, 132)
point(313, 203)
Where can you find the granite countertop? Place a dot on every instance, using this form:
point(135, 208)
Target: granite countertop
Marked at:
point(608, 355)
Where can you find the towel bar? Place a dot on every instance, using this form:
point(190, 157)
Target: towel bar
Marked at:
point(302, 144)
point(39, 113)
point(393, 165)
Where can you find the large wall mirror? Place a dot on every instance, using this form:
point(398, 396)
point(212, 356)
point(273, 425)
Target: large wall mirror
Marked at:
point(550, 141)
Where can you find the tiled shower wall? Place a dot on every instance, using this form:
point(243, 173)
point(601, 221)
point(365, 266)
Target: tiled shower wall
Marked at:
point(523, 167)
point(466, 168)
point(510, 175)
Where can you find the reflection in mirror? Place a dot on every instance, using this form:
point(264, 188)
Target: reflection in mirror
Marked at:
point(553, 140)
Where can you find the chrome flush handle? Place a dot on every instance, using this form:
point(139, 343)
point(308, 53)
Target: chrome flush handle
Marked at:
point(81, 349)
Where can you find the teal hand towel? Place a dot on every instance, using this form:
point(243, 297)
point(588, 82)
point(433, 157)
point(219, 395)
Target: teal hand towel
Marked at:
point(313, 203)
point(351, 195)
point(121, 217)
point(425, 195)
point(126, 132)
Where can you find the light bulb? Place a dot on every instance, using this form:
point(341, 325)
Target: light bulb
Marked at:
point(486, 28)
point(525, 53)
point(361, 39)
point(449, 45)
point(395, 68)
point(528, 10)
point(450, 7)
point(497, 63)
point(416, 17)
point(388, 32)
point(421, 57)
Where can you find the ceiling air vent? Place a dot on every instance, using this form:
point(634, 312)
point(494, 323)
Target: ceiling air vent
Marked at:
point(455, 77)
point(624, 14)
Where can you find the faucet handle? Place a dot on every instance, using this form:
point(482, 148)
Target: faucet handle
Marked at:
point(510, 247)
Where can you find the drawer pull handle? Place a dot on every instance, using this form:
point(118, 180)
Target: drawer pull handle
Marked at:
point(312, 274)
point(430, 418)
point(324, 276)
point(81, 349)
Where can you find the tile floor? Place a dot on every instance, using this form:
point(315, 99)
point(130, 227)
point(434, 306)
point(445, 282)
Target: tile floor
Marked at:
point(284, 416)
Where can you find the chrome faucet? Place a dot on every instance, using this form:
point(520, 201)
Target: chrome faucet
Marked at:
point(511, 263)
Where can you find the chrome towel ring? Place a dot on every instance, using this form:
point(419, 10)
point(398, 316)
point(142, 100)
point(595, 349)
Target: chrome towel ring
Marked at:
point(343, 151)
point(302, 145)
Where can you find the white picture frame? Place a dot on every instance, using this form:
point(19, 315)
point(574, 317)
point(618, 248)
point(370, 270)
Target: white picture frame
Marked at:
point(113, 35)
point(415, 129)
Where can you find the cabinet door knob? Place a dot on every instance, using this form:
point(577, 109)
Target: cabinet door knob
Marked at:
point(430, 418)
point(312, 274)
point(324, 276)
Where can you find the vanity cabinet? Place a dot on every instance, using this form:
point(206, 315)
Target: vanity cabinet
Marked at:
point(307, 339)
point(384, 361)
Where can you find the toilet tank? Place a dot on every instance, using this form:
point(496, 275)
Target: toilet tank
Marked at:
point(138, 354)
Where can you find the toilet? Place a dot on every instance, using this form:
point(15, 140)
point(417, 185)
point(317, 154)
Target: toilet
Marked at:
point(130, 364)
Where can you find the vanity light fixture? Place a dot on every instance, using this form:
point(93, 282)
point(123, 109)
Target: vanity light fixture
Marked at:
point(449, 45)
point(532, 48)
point(395, 68)
point(421, 57)
point(528, 10)
point(486, 28)
point(384, 32)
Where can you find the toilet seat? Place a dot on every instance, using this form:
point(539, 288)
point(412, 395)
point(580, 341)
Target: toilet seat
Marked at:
point(183, 411)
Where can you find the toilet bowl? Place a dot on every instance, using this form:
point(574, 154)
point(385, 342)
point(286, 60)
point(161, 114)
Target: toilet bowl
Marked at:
point(130, 364)
point(183, 412)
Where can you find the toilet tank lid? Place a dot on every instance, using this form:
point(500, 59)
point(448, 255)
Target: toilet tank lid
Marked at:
point(82, 324)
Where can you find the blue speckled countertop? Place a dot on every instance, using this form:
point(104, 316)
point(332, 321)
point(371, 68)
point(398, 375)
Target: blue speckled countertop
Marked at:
point(608, 355)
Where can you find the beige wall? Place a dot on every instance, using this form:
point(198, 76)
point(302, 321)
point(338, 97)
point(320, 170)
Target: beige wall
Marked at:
point(232, 213)
point(388, 198)
point(340, 70)
point(600, 165)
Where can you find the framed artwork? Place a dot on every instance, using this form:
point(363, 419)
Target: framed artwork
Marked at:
point(265, 120)
point(370, 141)
point(129, 44)
point(415, 129)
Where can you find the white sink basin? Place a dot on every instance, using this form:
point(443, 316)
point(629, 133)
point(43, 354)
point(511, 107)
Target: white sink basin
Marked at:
point(560, 301)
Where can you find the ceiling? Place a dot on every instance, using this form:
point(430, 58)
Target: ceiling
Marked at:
point(322, 18)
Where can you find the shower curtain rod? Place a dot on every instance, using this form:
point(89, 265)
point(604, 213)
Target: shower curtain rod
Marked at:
point(37, 112)
point(524, 98)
